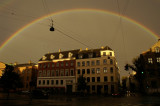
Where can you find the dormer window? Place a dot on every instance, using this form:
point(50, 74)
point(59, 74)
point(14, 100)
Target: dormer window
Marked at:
point(90, 55)
point(60, 55)
point(44, 58)
point(70, 54)
point(157, 49)
point(80, 56)
point(52, 57)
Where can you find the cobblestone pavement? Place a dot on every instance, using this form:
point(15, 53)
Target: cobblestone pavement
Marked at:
point(24, 100)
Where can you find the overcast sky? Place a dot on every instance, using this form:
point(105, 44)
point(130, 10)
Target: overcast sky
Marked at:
point(89, 26)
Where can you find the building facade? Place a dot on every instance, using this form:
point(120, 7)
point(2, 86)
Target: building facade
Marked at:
point(28, 74)
point(151, 61)
point(2, 68)
point(60, 71)
point(57, 71)
point(99, 67)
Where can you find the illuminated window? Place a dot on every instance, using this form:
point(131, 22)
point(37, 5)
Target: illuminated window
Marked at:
point(52, 82)
point(57, 72)
point(157, 49)
point(98, 70)
point(88, 79)
point(158, 59)
point(44, 58)
point(104, 53)
point(150, 60)
point(39, 82)
point(105, 69)
point(72, 63)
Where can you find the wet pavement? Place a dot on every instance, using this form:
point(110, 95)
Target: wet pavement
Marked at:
point(16, 99)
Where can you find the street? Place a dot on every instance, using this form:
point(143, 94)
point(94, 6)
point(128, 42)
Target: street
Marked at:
point(16, 99)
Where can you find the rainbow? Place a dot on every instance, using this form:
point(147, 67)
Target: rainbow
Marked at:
point(75, 10)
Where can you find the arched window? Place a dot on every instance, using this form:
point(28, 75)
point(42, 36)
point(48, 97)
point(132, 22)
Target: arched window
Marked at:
point(157, 49)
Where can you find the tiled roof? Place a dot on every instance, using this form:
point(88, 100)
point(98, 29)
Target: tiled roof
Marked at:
point(95, 52)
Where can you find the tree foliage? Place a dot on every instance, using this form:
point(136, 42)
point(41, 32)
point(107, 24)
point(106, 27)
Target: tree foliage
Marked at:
point(82, 85)
point(137, 66)
point(10, 79)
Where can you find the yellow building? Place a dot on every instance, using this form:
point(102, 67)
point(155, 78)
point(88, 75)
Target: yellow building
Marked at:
point(99, 67)
point(2, 68)
point(28, 74)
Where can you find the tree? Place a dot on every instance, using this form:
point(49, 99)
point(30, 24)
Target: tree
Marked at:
point(82, 85)
point(10, 80)
point(138, 68)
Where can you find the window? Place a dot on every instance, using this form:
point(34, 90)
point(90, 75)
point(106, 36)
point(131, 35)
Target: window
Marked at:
point(56, 82)
point(52, 65)
point(98, 79)
point(97, 62)
point(78, 71)
point(88, 71)
point(93, 87)
point(88, 63)
point(111, 61)
point(66, 63)
point(47, 82)
point(80, 56)
point(48, 73)
point(93, 63)
point(157, 49)
point(78, 64)
point(43, 82)
point(88, 79)
point(93, 71)
point(90, 55)
point(111, 69)
point(52, 57)
point(57, 72)
point(93, 79)
point(40, 73)
point(70, 54)
point(44, 73)
point(98, 70)
point(111, 78)
point(105, 69)
point(52, 72)
point(62, 72)
point(52, 82)
point(72, 63)
point(57, 64)
point(61, 82)
point(150, 60)
point(104, 61)
point(104, 53)
point(83, 63)
point(66, 72)
point(105, 78)
point(60, 55)
point(110, 53)
point(83, 71)
point(71, 72)
point(158, 59)
point(62, 64)
point(48, 65)
point(39, 82)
